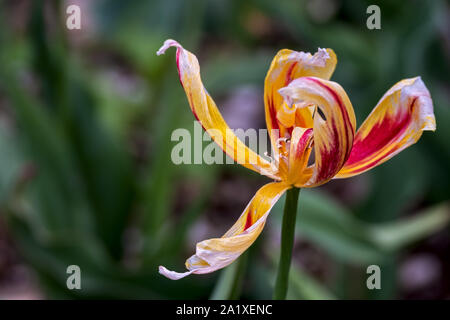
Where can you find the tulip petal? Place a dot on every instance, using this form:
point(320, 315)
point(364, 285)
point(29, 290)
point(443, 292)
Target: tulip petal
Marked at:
point(206, 112)
point(217, 253)
point(287, 66)
point(396, 122)
point(333, 136)
point(299, 152)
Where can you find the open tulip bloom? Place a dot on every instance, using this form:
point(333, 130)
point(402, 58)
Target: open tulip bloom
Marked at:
point(304, 111)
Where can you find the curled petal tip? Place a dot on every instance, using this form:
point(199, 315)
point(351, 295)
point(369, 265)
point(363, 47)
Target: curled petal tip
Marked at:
point(172, 274)
point(425, 104)
point(167, 44)
point(320, 57)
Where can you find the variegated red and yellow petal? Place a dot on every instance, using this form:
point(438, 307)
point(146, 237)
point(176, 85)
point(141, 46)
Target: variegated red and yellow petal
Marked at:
point(286, 66)
point(206, 112)
point(217, 253)
point(333, 136)
point(299, 152)
point(396, 122)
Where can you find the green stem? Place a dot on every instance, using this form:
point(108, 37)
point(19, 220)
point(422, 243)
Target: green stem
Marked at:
point(287, 243)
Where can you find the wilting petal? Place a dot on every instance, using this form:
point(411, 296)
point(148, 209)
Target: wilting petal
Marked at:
point(299, 152)
point(395, 123)
point(333, 136)
point(289, 65)
point(206, 112)
point(214, 254)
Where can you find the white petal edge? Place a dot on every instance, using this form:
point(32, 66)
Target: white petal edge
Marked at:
point(172, 274)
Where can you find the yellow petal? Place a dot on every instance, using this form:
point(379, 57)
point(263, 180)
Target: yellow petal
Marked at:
point(287, 66)
point(333, 136)
point(396, 122)
point(206, 112)
point(217, 253)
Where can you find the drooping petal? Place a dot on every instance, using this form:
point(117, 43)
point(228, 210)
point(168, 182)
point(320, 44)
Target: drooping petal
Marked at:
point(299, 152)
point(206, 112)
point(333, 136)
point(396, 122)
point(217, 253)
point(287, 66)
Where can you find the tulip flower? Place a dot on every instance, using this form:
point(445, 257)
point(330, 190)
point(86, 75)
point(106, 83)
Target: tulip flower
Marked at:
point(305, 112)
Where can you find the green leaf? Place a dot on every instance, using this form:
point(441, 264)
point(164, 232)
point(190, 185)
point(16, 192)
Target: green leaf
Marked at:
point(229, 285)
point(399, 234)
point(326, 223)
point(332, 227)
point(303, 286)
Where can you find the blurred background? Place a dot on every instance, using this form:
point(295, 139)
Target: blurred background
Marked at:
point(86, 178)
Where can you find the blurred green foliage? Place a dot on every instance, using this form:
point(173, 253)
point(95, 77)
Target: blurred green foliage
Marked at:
point(85, 170)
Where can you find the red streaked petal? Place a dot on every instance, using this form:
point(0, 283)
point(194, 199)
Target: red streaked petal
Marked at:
point(217, 253)
point(333, 136)
point(396, 122)
point(299, 152)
